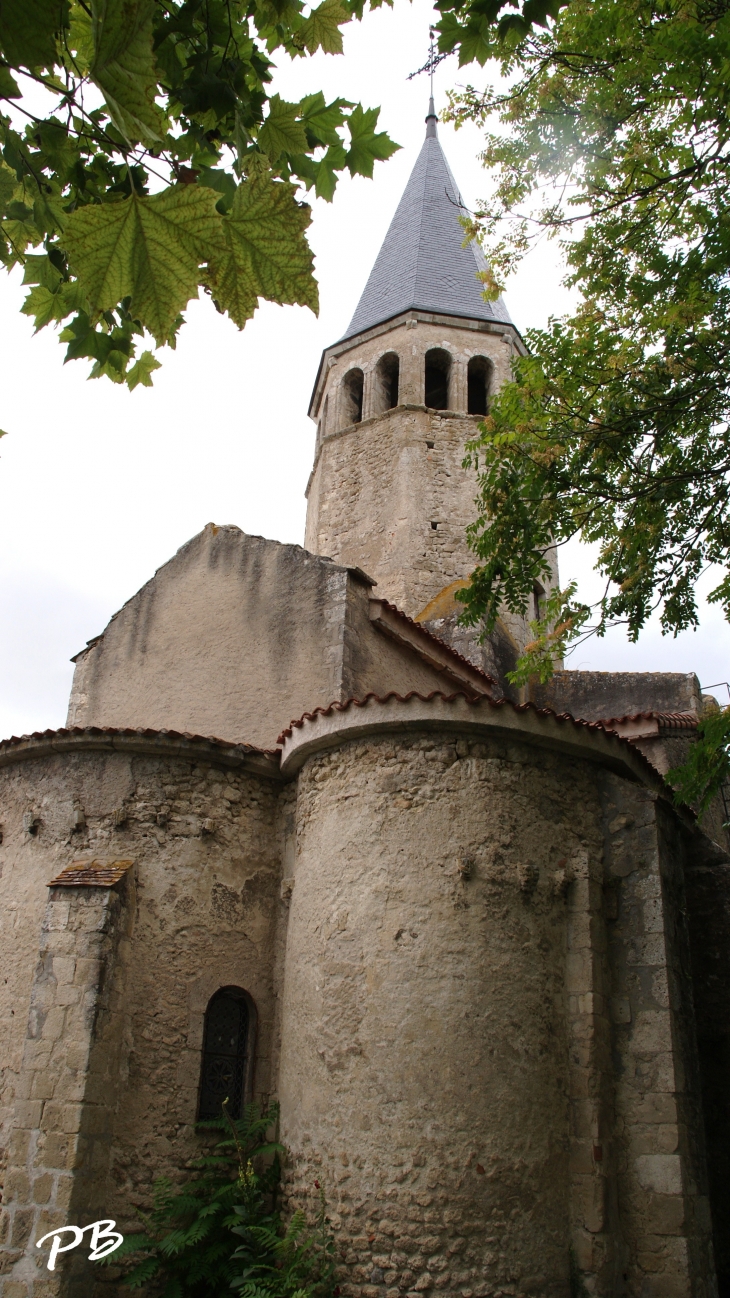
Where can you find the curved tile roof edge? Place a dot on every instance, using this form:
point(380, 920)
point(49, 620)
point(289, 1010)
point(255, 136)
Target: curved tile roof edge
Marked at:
point(564, 718)
point(669, 720)
point(114, 738)
point(626, 755)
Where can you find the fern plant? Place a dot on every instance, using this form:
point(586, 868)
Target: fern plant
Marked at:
point(189, 1246)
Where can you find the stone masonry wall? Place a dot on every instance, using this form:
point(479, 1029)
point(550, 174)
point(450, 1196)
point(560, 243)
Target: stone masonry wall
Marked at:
point(707, 874)
point(426, 1079)
point(60, 1139)
point(654, 1141)
point(207, 869)
point(390, 494)
point(233, 637)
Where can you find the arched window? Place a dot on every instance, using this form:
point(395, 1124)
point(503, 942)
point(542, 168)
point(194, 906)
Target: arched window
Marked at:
point(438, 369)
point(228, 1034)
point(478, 375)
point(385, 392)
point(352, 386)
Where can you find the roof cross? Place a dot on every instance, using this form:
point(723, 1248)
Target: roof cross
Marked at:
point(434, 58)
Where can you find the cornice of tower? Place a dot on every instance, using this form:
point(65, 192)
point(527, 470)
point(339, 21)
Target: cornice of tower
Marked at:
point(411, 319)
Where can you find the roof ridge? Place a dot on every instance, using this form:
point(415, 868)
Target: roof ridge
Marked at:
point(437, 639)
point(419, 248)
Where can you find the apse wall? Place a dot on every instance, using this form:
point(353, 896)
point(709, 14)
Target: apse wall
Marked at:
point(487, 1020)
point(108, 972)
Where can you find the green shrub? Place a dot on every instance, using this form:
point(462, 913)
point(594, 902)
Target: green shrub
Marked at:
point(191, 1245)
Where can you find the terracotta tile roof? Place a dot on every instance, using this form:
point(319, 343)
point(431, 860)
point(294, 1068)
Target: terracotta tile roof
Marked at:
point(91, 874)
point(454, 653)
point(563, 717)
point(106, 737)
point(665, 720)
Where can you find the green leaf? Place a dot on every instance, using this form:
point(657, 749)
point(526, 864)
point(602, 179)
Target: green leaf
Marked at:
point(9, 88)
point(141, 372)
point(321, 30)
point(8, 186)
point(222, 182)
point(45, 304)
point(323, 174)
point(707, 767)
point(124, 67)
point(367, 147)
point(28, 29)
point(39, 269)
point(81, 38)
point(266, 253)
point(282, 132)
point(146, 249)
point(321, 120)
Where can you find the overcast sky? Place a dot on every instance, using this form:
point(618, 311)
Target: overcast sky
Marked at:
point(100, 486)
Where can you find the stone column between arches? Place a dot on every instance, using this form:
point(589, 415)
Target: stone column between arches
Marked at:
point(458, 388)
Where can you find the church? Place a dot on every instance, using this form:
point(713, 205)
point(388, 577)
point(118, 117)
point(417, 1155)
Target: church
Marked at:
point(300, 839)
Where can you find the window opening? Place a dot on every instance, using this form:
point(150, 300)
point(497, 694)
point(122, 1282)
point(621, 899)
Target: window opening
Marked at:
point(387, 373)
point(478, 376)
point(438, 368)
point(538, 598)
point(225, 1053)
point(352, 386)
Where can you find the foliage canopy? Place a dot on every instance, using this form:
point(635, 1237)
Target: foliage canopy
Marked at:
point(159, 163)
point(613, 135)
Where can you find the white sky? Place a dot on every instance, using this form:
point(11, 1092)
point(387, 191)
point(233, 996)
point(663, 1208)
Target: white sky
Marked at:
point(99, 486)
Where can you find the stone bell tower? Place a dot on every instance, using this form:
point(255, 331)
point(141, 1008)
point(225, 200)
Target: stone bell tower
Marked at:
point(397, 398)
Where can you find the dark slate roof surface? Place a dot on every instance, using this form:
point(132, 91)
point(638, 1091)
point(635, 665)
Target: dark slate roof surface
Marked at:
point(422, 264)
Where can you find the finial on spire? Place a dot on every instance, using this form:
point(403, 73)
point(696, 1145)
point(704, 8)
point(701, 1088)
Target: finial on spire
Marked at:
point(434, 58)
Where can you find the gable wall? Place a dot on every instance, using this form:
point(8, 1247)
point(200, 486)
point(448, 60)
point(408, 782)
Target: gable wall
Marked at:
point(232, 638)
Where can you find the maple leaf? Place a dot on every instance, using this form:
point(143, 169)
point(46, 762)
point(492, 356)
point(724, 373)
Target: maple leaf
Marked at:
point(367, 147)
point(28, 29)
point(141, 372)
point(124, 66)
point(146, 249)
point(321, 30)
point(265, 251)
point(282, 132)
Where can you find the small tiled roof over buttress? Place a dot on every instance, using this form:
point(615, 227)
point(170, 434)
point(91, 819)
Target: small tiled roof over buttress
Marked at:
point(423, 264)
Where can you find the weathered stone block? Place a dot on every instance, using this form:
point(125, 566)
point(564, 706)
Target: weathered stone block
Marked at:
point(17, 1185)
point(659, 1107)
point(664, 1214)
point(22, 1226)
point(660, 1174)
point(15, 1289)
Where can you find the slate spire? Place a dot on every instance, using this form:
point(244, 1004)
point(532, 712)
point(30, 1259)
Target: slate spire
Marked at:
point(422, 264)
